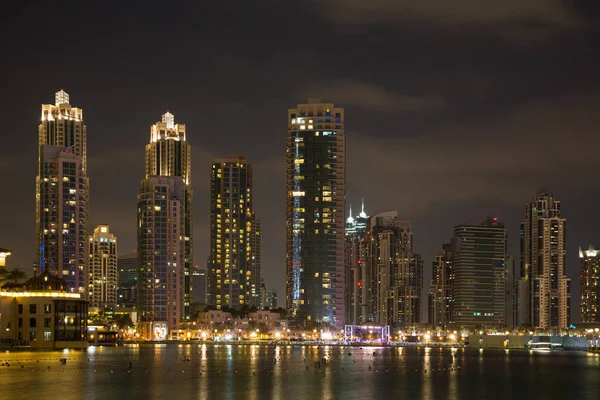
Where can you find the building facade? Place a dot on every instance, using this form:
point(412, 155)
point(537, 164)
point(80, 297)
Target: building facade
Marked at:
point(395, 281)
point(255, 268)
point(169, 154)
point(316, 176)
point(62, 194)
point(356, 269)
point(199, 283)
point(231, 219)
point(127, 266)
point(102, 268)
point(544, 289)
point(161, 253)
point(479, 294)
point(441, 298)
point(41, 313)
point(589, 268)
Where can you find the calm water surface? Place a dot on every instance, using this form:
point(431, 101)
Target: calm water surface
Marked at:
point(289, 372)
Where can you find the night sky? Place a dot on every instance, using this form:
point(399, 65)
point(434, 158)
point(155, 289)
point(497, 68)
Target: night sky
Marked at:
point(454, 110)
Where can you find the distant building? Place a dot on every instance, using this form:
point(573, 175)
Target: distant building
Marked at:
point(214, 316)
point(199, 285)
point(42, 314)
point(127, 266)
point(316, 177)
point(544, 289)
point(255, 267)
point(357, 273)
point(62, 194)
point(102, 268)
point(441, 298)
point(271, 319)
point(161, 249)
point(270, 300)
point(396, 271)
point(234, 234)
point(479, 253)
point(589, 267)
point(511, 292)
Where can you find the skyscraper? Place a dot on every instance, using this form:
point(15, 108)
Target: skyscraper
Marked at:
point(62, 193)
point(199, 282)
point(441, 298)
point(479, 253)
point(395, 271)
point(102, 270)
point(589, 266)
point(231, 218)
point(169, 154)
point(316, 177)
point(161, 249)
point(356, 269)
point(255, 268)
point(127, 275)
point(544, 289)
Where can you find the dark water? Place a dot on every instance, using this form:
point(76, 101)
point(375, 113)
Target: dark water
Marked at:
point(269, 372)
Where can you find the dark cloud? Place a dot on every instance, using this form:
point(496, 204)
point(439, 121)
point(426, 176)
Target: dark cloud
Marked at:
point(455, 12)
point(369, 96)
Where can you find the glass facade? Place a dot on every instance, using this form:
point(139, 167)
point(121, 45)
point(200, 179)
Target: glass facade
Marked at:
point(315, 275)
point(233, 234)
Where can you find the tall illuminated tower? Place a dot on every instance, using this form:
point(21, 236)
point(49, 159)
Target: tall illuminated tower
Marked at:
point(316, 177)
point(169, 154)
point(589, 264)
point(103, 270)
point(230, 274)
point(544, 289)
point(62, 193)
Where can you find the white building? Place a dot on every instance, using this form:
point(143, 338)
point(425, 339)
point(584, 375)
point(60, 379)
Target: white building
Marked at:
point(102, 269)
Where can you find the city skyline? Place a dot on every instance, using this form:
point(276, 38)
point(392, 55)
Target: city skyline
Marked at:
point(151, 165)
point(456, 118)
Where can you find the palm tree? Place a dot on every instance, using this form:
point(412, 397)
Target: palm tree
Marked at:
point(16, 275)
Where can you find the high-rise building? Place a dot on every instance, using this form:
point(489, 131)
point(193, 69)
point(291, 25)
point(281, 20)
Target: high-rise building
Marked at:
point(316, 177)
point(199, 283)
point(356, 272)
point(395, 271)
point(62, 193)
point(441, 305)
point(102, 268)
point(161, 248)
point(511, 292)
point(479, 253)
point(169, 154)
point(255, 267)
point(589, 267)
point(231, 219)
point(544, 289)
point(127, 266)
point(270, 300)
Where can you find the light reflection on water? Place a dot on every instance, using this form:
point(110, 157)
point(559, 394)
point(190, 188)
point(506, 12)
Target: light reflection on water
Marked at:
point(289, 372)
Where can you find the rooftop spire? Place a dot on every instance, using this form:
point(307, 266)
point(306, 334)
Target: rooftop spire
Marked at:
point(350, 219)
point(362, 212)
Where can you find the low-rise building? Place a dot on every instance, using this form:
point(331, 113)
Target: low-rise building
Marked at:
point(40, 313)
point(214, 316)
point(271, 319)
